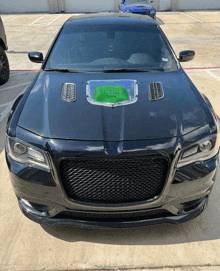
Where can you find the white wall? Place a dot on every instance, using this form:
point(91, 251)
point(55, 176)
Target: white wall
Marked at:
point(89, 5)
point(199, 4)
point(24, 6)
point(165, 5)
point(54, 6)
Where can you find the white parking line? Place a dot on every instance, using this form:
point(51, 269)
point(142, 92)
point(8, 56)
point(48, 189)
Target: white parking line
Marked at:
point(192, 17)
point(38, 19)
point(55, 19)
point(15, 86)
point(213, 75)
point(167, 13)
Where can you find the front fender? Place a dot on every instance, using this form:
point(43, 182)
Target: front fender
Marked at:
point(17, 101)
point(17, 108)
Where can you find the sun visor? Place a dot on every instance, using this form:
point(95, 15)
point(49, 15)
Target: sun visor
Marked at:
point(112, 93)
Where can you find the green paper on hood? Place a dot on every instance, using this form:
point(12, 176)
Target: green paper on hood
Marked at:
point(110, 94)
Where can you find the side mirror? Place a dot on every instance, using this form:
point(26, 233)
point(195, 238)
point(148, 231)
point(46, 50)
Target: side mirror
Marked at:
point(151, 2)
point(36, 57)
point(186, 56)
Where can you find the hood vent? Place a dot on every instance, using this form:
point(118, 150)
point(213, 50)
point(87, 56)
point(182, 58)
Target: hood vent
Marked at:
point(68, 93)
point(155, 91)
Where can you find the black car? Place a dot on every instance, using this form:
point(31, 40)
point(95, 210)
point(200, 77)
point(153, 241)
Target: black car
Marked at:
point(4, 65)
point(112, 132)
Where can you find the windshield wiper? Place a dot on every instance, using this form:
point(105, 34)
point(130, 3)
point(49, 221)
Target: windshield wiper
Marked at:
point(130, 70)
point(64, 70)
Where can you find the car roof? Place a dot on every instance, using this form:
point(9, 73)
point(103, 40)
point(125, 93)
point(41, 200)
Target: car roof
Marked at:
point(109, 18)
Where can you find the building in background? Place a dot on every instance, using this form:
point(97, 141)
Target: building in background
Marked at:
point(69, 6)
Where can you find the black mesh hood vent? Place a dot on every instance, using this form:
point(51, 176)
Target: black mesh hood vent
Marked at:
point(68, 93)
point(155, 91)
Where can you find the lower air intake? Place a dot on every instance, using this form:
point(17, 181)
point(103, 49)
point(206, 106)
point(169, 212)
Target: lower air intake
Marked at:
point(114, 217)
point(113, 181)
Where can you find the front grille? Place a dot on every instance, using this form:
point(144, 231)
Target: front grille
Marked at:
point(113, 181)
point(114, 217)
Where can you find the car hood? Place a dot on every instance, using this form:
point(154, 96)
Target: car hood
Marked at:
point(47, 115)
point(138, 7)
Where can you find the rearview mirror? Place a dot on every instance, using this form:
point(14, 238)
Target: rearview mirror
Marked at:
point(36, 57)
point(186, 56)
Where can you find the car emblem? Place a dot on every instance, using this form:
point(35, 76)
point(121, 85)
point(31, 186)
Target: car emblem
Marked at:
point(112, 93)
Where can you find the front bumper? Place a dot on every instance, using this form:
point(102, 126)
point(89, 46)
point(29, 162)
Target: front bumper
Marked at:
point(178, 203)
point(47, 221)
point(184, 196)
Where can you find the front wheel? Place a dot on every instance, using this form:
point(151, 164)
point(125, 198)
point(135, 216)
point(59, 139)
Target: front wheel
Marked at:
point(4, 67)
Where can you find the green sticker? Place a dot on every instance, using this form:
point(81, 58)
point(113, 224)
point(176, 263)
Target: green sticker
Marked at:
point(110, 94)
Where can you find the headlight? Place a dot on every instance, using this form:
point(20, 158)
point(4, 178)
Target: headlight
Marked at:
point(152, 12)
point(127, 11)
point(24, 153)
point(200, 151)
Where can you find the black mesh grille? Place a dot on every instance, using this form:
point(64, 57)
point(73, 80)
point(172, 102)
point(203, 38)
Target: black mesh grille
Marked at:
point(113, 181)
point(114, 217)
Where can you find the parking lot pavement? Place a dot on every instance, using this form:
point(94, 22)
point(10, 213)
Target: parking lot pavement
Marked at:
point(28, 246)
point(208, 82)
point(188, 268)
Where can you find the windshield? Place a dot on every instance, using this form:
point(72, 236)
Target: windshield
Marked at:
point(110, 47)
point(130, 2)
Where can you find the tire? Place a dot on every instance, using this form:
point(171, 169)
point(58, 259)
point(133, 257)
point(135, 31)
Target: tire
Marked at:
point(4, 67)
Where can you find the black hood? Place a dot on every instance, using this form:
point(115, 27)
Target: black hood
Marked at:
point(47, 115)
